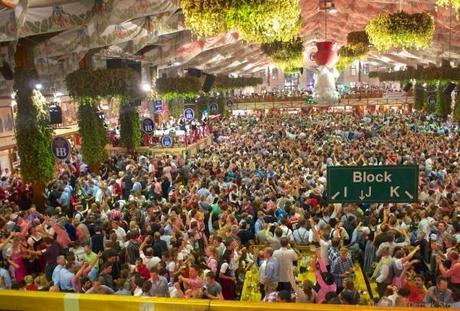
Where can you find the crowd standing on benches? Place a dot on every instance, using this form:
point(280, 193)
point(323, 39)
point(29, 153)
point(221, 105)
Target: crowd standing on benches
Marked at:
point(163, 226)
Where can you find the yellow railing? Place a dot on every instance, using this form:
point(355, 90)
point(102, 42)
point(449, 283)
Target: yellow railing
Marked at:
point(45, 301)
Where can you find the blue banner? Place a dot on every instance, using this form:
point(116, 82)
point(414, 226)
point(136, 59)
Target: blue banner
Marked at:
point(157, 106)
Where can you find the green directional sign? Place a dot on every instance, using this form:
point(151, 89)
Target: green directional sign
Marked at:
point(372, 184)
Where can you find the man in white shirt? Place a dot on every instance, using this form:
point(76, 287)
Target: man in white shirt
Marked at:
point(285, 256)
point(301, 235)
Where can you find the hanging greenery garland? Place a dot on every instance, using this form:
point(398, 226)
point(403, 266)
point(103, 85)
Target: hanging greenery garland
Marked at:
point(33, 134)
point(401, 30)
point(178, 86)
point(88, 85)
point(449, 3)
point(224, 83)
point(254, 20)
point(357, 48)
point(104, 83)
point(265, 21)
point(288, 56)
point(431, 73)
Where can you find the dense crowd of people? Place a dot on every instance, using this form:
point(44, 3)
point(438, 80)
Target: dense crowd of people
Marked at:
point(173, 227)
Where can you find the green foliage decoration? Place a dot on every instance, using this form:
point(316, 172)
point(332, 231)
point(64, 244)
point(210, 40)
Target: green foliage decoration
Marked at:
point(33, 133)
point(288, 56)
point(178, 85)
point(457, 106)
point(226, 83)
point(401, 30)
point(374, 75)
point(431, 73)
point(92, 131)
point(357, 48)
point(419, 96)
point(130, 134)
point(443, 100)
point(87, 85)
point(259, 21)
point(104, 83)
point(449, 3)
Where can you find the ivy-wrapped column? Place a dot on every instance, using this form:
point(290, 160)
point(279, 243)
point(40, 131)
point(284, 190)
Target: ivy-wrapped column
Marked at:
point(93, 134)
point(457, 104)
point(129, 121)
point(33, 135)
point(444, 100)
point(419, 96)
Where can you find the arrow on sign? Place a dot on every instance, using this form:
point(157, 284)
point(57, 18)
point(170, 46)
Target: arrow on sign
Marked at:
point(335, 195)
point(369, 193)
point(409, 195)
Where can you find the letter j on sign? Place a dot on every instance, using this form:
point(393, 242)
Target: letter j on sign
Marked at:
point(372, 184)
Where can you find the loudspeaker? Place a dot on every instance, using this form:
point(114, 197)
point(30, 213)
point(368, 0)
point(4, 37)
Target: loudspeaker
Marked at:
point(449, 88)
point(208, 83)
point(115, 63)
point(193, 72)
point(6, 71)
point(55, 114)
point(407, 87)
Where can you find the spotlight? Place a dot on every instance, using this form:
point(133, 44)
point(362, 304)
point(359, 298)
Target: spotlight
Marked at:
point(13, 95)
point(38, 86)
point(146, 87)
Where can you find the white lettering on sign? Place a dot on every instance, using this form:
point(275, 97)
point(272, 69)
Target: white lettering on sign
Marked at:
point(364, 177)
point(367, 195)
point(394, 191)
point(61, 152)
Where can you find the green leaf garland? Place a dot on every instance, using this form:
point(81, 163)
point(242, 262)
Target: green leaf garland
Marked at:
point(401, 30)
point(286, 55)
point(255, 20)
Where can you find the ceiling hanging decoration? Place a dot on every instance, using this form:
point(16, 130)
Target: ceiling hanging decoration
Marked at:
point(401, 30)
point(449, 3)
point(255, 20)
point(357, 48)
point(288, 56)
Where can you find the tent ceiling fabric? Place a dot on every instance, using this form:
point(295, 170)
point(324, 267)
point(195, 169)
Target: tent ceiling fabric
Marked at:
point(154, 31)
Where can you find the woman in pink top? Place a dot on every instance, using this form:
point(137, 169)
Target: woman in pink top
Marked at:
point(324, 279)
point(16, 259)
point(62, 237)
point(211, 262)
point(454, 272)
point(167, 171)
